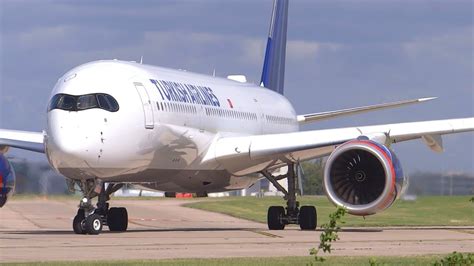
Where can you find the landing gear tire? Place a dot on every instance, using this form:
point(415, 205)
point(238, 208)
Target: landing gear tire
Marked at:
point(117, 219)
point(275, 218)
point(78, 222)
point(307, 218)
point(93, 224)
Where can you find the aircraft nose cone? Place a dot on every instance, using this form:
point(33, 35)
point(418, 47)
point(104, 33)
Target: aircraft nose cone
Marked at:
point(62, 133)
point(68, 142)
point(64, 142)
point(77, 136)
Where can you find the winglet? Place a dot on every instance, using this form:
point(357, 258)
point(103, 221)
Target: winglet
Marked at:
point(427, 99)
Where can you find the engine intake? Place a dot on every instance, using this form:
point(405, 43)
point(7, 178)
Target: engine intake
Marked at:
point(363, 176)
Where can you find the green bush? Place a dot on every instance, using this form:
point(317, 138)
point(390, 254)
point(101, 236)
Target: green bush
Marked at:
point(455, 259)
point(329, 234)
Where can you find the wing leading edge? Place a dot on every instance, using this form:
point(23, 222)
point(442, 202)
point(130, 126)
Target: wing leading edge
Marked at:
point(263, 151)
point(307, 118)
point(32, 141)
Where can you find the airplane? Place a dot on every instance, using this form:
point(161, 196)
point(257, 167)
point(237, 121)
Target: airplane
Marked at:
point(113, 122)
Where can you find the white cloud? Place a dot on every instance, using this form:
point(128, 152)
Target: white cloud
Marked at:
point(297, 50)
point(253, 50)
point(450, 46)
point(301, 50)
point(44, 35)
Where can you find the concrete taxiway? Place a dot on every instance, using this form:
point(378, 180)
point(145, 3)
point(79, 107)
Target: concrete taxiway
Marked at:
point(40, 230)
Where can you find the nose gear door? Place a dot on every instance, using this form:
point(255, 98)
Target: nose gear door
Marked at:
point(146, 103)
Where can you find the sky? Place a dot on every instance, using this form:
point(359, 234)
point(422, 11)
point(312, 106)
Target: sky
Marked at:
point(340, 54)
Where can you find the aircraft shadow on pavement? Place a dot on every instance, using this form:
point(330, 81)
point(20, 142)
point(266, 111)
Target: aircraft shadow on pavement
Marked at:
point(362, 230)
point(146, 230)
point(70, 232)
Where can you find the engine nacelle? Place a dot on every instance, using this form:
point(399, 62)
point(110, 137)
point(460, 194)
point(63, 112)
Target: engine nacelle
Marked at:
point(363, 176)
point(7, 180)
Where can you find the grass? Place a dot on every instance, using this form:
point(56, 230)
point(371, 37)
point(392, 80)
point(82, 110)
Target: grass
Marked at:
point(276, 261)
point(425, 211)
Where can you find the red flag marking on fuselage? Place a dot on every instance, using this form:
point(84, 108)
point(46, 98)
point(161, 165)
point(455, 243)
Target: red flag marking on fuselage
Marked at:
point(230, 103)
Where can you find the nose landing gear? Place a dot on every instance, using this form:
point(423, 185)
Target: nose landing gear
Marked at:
point(89, 219)
point(93, 224)
point(78, 223)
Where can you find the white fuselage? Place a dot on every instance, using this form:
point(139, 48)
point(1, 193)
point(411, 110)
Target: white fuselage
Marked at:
point(166, 122)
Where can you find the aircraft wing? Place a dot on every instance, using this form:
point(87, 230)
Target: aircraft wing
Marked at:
point(32, 141)
point(307, 118)
point(264, 151)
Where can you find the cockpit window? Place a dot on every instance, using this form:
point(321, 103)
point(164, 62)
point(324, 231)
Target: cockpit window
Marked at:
point(67, 102)
point(54, 102)
point(107, 102)
point(83, 102)
point(86, 102)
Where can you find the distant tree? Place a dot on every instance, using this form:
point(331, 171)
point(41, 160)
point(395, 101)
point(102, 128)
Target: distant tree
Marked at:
point(21, 168)
point(313, 177)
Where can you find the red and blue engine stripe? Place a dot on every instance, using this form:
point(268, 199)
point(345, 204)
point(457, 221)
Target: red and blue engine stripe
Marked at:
point(7, 180)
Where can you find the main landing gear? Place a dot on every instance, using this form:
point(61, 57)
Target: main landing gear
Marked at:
point(278, 217)
point(90, 219)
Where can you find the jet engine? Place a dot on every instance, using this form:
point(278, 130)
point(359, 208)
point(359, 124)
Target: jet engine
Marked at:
point(363, 176)
point(7, 180)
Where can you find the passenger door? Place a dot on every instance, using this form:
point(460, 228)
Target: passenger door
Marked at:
point(146, 103)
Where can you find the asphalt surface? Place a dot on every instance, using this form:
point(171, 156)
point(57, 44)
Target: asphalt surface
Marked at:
point(40, 230)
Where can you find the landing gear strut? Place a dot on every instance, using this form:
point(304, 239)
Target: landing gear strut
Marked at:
point(90, 219)
point(278, 217)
